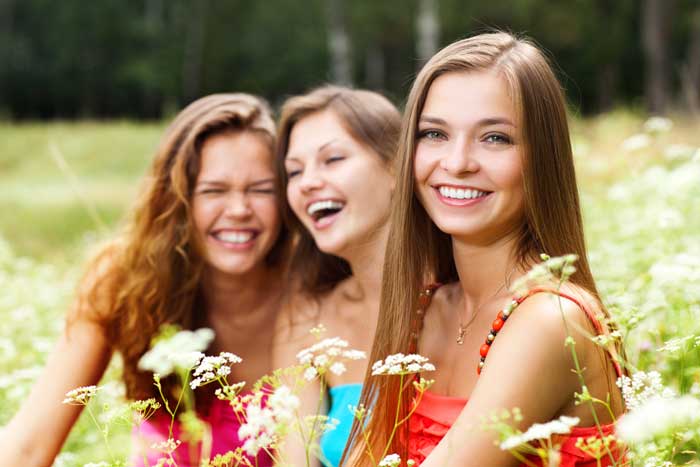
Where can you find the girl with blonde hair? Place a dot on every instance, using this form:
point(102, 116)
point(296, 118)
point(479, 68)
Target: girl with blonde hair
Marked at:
point(486, 184)
point(204, 247)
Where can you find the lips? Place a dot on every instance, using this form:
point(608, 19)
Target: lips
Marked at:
point(323, 212)
point(453, 195)
point(235, 239)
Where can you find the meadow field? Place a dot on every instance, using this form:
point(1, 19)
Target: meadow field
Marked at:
point(64, 188)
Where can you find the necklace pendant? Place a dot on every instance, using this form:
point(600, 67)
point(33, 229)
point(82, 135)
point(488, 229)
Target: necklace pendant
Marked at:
point(460, 337)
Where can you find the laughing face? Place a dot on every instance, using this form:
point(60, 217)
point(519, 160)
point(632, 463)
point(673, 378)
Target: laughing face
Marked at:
point(234, 207)
point(338, 188)
point(468, 161)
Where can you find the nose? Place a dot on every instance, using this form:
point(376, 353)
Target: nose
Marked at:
point(238, 206)
point(459, 158)
point(309, 181)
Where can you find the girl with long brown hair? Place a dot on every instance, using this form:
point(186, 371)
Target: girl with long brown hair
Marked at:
point(336, 147)
point(204, 247)
point(486, 183)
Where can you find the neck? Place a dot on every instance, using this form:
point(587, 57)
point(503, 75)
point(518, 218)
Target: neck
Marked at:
point(485, 271)
point(366, 260)
point(228, 293)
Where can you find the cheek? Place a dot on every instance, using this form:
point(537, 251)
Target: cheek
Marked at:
point(293, 198)
point(422, 166)
point(266, 210)
point(201, 214)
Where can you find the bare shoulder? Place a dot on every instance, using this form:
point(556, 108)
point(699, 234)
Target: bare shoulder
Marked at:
point(570, 308)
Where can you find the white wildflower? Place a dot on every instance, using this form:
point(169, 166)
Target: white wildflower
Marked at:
point(81, 395)
point(338, 368)
point(659, 416)
point(658, 125)
point(391, 460)
point(213, 368)
point(636, 142)
point(167, 447)
point(642, 387)
point(181, 351)
point(327, 355)
point(400, 364)
point(562, 425)
point(265, 423)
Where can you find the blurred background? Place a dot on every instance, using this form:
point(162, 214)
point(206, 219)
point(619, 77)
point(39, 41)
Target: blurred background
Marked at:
point(86, 88)
point(147, 58)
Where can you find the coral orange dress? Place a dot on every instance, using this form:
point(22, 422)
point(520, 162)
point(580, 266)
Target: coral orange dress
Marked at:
point(435, 414)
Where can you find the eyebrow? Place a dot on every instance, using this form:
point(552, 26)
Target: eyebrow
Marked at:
point(222, 183)
point(320, 148)
point(483, 122)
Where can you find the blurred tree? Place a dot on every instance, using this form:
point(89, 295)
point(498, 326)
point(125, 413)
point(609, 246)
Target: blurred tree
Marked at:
point(656, 24)
point(339, 43)
point(428, 28)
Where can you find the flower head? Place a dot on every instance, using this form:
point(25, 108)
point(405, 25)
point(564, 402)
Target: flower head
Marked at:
point(400, 364)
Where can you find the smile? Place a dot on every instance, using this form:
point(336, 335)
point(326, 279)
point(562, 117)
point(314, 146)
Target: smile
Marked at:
point(235, 239)
point(458, 196)
point(324, 212)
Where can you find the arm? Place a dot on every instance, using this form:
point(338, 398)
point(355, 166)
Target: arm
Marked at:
point(38, 430)
point(292, 336)
point(529, 367)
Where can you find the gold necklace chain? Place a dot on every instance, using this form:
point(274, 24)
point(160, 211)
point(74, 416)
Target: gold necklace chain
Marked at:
point(462, 328)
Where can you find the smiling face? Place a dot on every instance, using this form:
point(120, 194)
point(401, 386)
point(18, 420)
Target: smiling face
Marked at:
point(338, 188)
point(468, 160)
point(234, 206)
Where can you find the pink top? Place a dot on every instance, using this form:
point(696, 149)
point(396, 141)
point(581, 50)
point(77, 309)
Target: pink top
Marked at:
point(435, 414)
point(224, 430)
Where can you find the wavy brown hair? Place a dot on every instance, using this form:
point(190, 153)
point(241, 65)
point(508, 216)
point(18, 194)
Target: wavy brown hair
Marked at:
point(418, 249)
point(150, 275)
point(373, 121)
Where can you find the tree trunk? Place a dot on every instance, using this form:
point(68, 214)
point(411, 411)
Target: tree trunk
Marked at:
point(194, 50)
point(428, 30)
point(690, 71)
point(375, 68)
point(607, 86)
point(656, 22)
point(339, 43)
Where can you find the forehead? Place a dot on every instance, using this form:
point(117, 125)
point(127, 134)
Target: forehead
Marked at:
point(313, 131)
point(467, 97)
point(241, 153)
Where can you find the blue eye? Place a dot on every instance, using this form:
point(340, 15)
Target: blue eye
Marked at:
point(498, 138)
point(431, 135)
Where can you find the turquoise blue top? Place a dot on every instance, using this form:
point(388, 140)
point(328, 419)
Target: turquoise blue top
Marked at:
point(333, 441)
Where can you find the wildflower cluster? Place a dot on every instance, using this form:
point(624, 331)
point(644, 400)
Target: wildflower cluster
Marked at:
point(177, 350)
point(642, 387)
point(540, 431)
point(327, 355)
point(267, 417)
point(400, 364)
point(213, 368)
point(81, 395)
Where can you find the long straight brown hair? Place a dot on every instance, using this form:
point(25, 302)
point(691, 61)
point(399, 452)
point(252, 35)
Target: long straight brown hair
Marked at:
point(151, 275)
point(417, 249)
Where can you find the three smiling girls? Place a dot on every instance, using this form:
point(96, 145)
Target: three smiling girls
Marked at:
point(414, 229)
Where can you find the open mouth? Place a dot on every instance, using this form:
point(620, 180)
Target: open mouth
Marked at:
point(320, 210)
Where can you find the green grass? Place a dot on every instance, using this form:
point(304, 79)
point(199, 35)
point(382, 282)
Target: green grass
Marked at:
point(641, 209)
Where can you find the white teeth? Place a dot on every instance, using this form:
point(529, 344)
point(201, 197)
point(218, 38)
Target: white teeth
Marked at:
point(459, 193)
point(234, 237)
point(321, 205)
